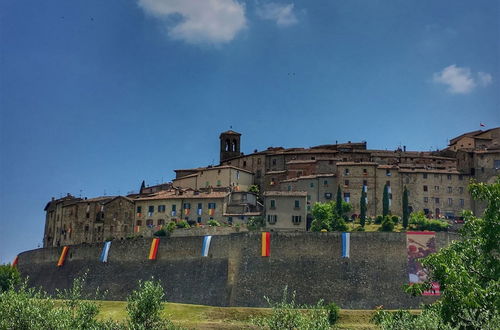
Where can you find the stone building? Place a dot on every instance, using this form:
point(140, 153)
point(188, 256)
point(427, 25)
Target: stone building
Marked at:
point(286, 210)
point(214, 177)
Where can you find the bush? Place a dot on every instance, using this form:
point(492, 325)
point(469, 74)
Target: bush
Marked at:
point(359, 228)
point(171, 226)
point(387, 224)
point(183, 224)
point(144, 307)
point(213, 223)
point(162, 232)
point(289, 315)
point(9, 277)
point(395, 219)
point(379, 219)
point(333, 312)
point(256, 223)
point(29, 308)
point(420, 222)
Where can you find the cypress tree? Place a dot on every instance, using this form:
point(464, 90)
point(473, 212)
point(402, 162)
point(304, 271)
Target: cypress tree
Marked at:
point(406, 213)
point(338, 205)
point(362, 207)
point(385, 201)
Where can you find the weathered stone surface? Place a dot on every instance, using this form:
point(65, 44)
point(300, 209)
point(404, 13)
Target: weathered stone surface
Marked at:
point(234, 273)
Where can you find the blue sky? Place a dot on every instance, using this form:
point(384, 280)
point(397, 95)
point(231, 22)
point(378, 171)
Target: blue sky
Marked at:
point(96, 96)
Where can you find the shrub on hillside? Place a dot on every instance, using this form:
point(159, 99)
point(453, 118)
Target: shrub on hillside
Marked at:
point(9, 277)
point(255, 223)
point(387, 224)
point(213, 223)
point(420, 222)
point(287, 314)
point(379, 219)
point(183, 224)
point(171, 226)
point(160, 233)
point(395, 219)
point(333, 312)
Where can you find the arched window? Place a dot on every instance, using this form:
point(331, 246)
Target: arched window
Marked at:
point(228, 145)
point(234, 145)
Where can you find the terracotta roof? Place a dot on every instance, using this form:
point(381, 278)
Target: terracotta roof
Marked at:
point(420, 170)
point(468, 134)
point(171, 194)
point(307, 177)
point(298, 161)
point(276, 172)
point(356, 163)
point(247, 214)
point(230, 132)
point(285, 193)
point(212, 168)
point(97, 199)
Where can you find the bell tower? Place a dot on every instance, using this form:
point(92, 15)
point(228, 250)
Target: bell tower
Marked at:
point(229, 145)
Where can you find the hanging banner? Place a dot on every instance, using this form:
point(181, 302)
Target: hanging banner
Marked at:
point(154, 249)
point(419, 245)
point(211, 212)
point(16, 260)
point(346, 244)
point(105, 251)
point(206, 246)
point(62, 258)
point(266, 244)
point(137, 229)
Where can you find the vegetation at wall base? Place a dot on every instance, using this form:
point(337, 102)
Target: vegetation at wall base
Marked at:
point(256, 223)
point(213, 223)
point(468, 272)
point(287, 314)
point(9, 277)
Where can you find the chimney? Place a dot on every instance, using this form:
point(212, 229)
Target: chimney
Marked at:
point(404, 148)
point(53, 199)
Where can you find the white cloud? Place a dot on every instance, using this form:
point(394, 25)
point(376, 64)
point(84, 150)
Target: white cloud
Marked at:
point(484, 78)
point(200, 21)
point(281, 13)
point(461, 80)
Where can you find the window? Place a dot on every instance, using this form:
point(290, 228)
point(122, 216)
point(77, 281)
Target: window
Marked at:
point(274, 161)
point(311, 185)
point(347, 197)
point(388, 172)
point(296, 219)
point(218, 183)
point(207, 184)
point(138, 223)
point(151, 210)
point(436, 188)
point(161, 222)
point(450, 201)
point(346, 171)
point(272, 219)
point(482, 169)
point(449, 176)
point(450, 190)
point(328, 195)
point(272, 204)
point(211, 206)
point(308, 198)
point(325, 183)
point(273, 181)
point(186, 206)
point(198, 220)
point(346, 183)
point(161, 208)
point(461, 190)
point(496, 164)
point(436, 200)
point(259, 173)
point(244, 163)
point(289, 188)
point(462, 202)
point(297, 204)
point(237, 175)
point(365, 171)
point(426, 199)
point(425, 175)
point(139, 210)
point(149, 222)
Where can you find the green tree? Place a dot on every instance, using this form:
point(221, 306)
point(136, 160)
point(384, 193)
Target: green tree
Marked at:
point(322, 216)
point(338, 204)
point(468, 271)
point(385, 201)
point(9, 276)
point(406, 210)
point(254, 189)
point(362, 207)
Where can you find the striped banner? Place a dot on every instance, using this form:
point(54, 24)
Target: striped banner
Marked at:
point(200, 211)
point(105, 252)
point(346, 244)
point(154, 249)
point(15, 262)
point(137, 229)
point(266, 244)
point(211, 212)
point(187, 211)
point(62, 258)
point(206, 245)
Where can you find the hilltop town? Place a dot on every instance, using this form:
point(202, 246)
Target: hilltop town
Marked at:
point(281, 185)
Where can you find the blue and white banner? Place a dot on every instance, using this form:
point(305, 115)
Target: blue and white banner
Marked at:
point(105, 251)
point(346, 244)
point(206, 245)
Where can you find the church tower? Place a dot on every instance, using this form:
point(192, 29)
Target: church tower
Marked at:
point(229, 145)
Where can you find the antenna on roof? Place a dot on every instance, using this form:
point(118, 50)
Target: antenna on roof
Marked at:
point(230, 126)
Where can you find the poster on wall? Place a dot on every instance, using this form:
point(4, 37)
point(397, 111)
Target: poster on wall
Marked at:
point(420, 244)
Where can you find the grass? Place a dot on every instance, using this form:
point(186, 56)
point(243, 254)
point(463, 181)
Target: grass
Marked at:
point(209, 317)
